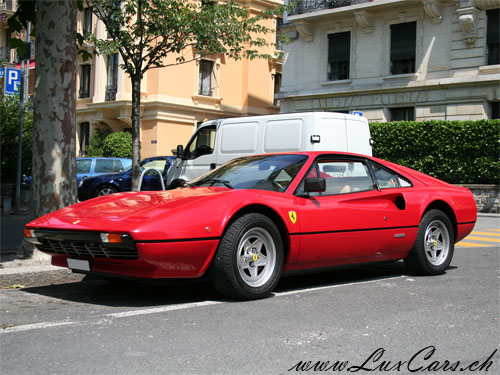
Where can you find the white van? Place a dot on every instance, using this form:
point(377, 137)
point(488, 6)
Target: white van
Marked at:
point(218, 141)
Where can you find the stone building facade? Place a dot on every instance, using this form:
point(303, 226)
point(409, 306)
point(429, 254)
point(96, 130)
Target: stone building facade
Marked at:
point(393, 59)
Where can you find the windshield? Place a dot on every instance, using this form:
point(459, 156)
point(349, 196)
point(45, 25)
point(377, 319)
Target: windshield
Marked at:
point(264, 172)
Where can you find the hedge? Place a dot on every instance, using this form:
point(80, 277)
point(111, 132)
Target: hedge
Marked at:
point(118, 145)
point(458, 152)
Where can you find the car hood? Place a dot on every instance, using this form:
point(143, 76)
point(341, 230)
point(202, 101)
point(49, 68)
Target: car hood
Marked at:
point(134, 212)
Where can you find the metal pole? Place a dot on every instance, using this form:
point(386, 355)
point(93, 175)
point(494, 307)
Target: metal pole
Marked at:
point(20, 141)
point(20, 132)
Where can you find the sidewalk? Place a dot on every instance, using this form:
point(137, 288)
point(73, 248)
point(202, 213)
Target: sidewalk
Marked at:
point(25, 272)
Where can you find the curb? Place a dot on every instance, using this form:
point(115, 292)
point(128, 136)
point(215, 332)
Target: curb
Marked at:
point(484, 214)
point(36, 276)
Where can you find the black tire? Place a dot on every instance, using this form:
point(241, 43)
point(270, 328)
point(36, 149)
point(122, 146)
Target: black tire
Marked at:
point(249, 260)
point(433, 249)
point(105, 190)
point(176, 184)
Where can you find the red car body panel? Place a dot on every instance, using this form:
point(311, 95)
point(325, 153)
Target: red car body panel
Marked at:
point(177, 232)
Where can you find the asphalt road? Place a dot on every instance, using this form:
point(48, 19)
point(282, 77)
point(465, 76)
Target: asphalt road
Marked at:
point(367, 318)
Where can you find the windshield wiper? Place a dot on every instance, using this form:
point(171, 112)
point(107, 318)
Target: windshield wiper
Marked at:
point(218, 181)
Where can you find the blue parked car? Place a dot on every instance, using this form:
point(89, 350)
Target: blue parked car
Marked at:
point(105, 184)
point(93, 166)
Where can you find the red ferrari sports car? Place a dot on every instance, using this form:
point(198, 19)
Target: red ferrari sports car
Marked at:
point(249, 220)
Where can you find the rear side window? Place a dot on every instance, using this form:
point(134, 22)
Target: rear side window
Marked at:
point(108, 166)
point(83, 165)
point(387, 179)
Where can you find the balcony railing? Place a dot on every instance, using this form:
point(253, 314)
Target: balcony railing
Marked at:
point(308, 6)
point(110, 94)
point(7, 5)
point(7, 54)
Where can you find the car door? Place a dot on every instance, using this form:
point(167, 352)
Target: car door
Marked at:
point(348, 221)
point(199, 154)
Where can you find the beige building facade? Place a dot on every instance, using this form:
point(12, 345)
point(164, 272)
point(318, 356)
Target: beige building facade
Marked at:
point(175, 99)
point(393, 59)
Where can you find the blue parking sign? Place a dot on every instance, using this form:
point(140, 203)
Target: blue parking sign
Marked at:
point(12, 79)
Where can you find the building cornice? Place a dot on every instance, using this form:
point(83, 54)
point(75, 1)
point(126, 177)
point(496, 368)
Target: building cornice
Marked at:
point(433, 84)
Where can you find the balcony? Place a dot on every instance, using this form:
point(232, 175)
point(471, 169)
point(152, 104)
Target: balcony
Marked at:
point(308, 6)
point(8, 5)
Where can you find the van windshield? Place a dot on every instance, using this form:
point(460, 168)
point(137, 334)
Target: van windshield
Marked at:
point(263, 172)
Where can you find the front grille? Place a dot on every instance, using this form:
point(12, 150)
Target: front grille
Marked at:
point(81, 244)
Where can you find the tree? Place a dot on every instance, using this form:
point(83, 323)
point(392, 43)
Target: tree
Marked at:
point(54, 104)
point(146, 32)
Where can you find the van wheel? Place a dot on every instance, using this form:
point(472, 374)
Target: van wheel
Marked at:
point(249, 260)
point(433, 249)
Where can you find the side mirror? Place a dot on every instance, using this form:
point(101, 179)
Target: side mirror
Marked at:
point(315, 185)
point(180, 152)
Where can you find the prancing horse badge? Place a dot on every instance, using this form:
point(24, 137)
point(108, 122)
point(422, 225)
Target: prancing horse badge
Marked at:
point(293, 216)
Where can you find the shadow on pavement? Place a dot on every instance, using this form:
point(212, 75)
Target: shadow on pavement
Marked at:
point(124, 293)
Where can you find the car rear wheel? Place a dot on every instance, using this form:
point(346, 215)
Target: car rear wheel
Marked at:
point(249, 260)
point(105, 190)
point(433, 249)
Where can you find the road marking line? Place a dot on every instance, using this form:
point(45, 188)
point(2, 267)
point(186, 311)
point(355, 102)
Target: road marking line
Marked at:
point(163, 309)
point(471, 244)
point(493, 230)
point(483, 239)
point(29, 327)
point(335, 286)
point(486, 233)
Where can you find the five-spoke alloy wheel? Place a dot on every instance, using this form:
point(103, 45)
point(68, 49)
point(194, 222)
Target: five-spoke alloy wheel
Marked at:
point(433, 249)
point(249, 260)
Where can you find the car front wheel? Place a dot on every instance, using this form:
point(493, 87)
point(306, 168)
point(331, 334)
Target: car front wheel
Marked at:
point(433, 249)
point(105, 190)
point(249, 260)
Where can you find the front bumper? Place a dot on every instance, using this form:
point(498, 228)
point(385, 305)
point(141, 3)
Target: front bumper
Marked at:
point(155, 260)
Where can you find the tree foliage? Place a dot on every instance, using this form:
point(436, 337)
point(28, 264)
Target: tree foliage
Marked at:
point(145, 32)
point(460, 152)
point(118, 145)
point(96, 142)
point(9, 133)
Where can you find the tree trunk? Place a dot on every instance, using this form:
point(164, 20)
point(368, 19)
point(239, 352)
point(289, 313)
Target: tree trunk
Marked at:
point(136, 131)
point(54, 129)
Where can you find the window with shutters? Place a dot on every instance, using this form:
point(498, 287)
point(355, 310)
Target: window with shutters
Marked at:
point(403, 47)
point(84, 91)
point(339, 51)
point(205, 78)
point(87, 21)
point(492, 36)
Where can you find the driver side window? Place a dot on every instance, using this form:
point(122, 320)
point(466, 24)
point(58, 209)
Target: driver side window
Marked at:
point(341, 176)
point(202, 143)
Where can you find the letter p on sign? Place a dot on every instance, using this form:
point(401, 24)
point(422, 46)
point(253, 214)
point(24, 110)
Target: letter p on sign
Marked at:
point(12, 81)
